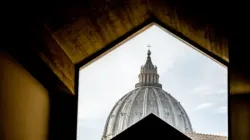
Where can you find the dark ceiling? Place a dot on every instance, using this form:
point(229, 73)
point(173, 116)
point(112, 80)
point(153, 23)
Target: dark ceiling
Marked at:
point(67, 33)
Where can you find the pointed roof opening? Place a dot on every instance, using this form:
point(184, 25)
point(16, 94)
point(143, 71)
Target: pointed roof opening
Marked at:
point(117, 72)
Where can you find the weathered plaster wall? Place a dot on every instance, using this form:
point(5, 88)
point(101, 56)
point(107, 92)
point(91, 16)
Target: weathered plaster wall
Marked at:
point(24, 103)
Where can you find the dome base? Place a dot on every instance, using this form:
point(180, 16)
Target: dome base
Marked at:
point(148, 84)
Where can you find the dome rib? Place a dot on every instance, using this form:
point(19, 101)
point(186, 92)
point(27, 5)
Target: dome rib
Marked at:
point(187, 121)
point(145, 103)
point(158, 102)
point(127, 114)
point(172, 108)
point(113, 125)
point(108, 124)
point(183, 112)
point(119, 114)
point(152, 105)
point(109, 116)
point(130, 110)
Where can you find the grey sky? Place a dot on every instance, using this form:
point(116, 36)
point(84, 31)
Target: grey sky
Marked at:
point(197, 82)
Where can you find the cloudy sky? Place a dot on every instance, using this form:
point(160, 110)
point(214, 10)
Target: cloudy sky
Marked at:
point(196, 81)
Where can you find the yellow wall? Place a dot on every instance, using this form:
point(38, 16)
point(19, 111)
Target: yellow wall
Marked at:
point(24, 103)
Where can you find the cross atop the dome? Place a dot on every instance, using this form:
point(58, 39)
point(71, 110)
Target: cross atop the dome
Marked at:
point(148, 46)
point(149, 52)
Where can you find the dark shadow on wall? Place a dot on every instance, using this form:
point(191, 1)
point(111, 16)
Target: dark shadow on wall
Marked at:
point(62, 120)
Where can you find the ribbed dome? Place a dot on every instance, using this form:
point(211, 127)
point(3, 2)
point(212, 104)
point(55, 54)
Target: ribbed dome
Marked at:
point(147, 97)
